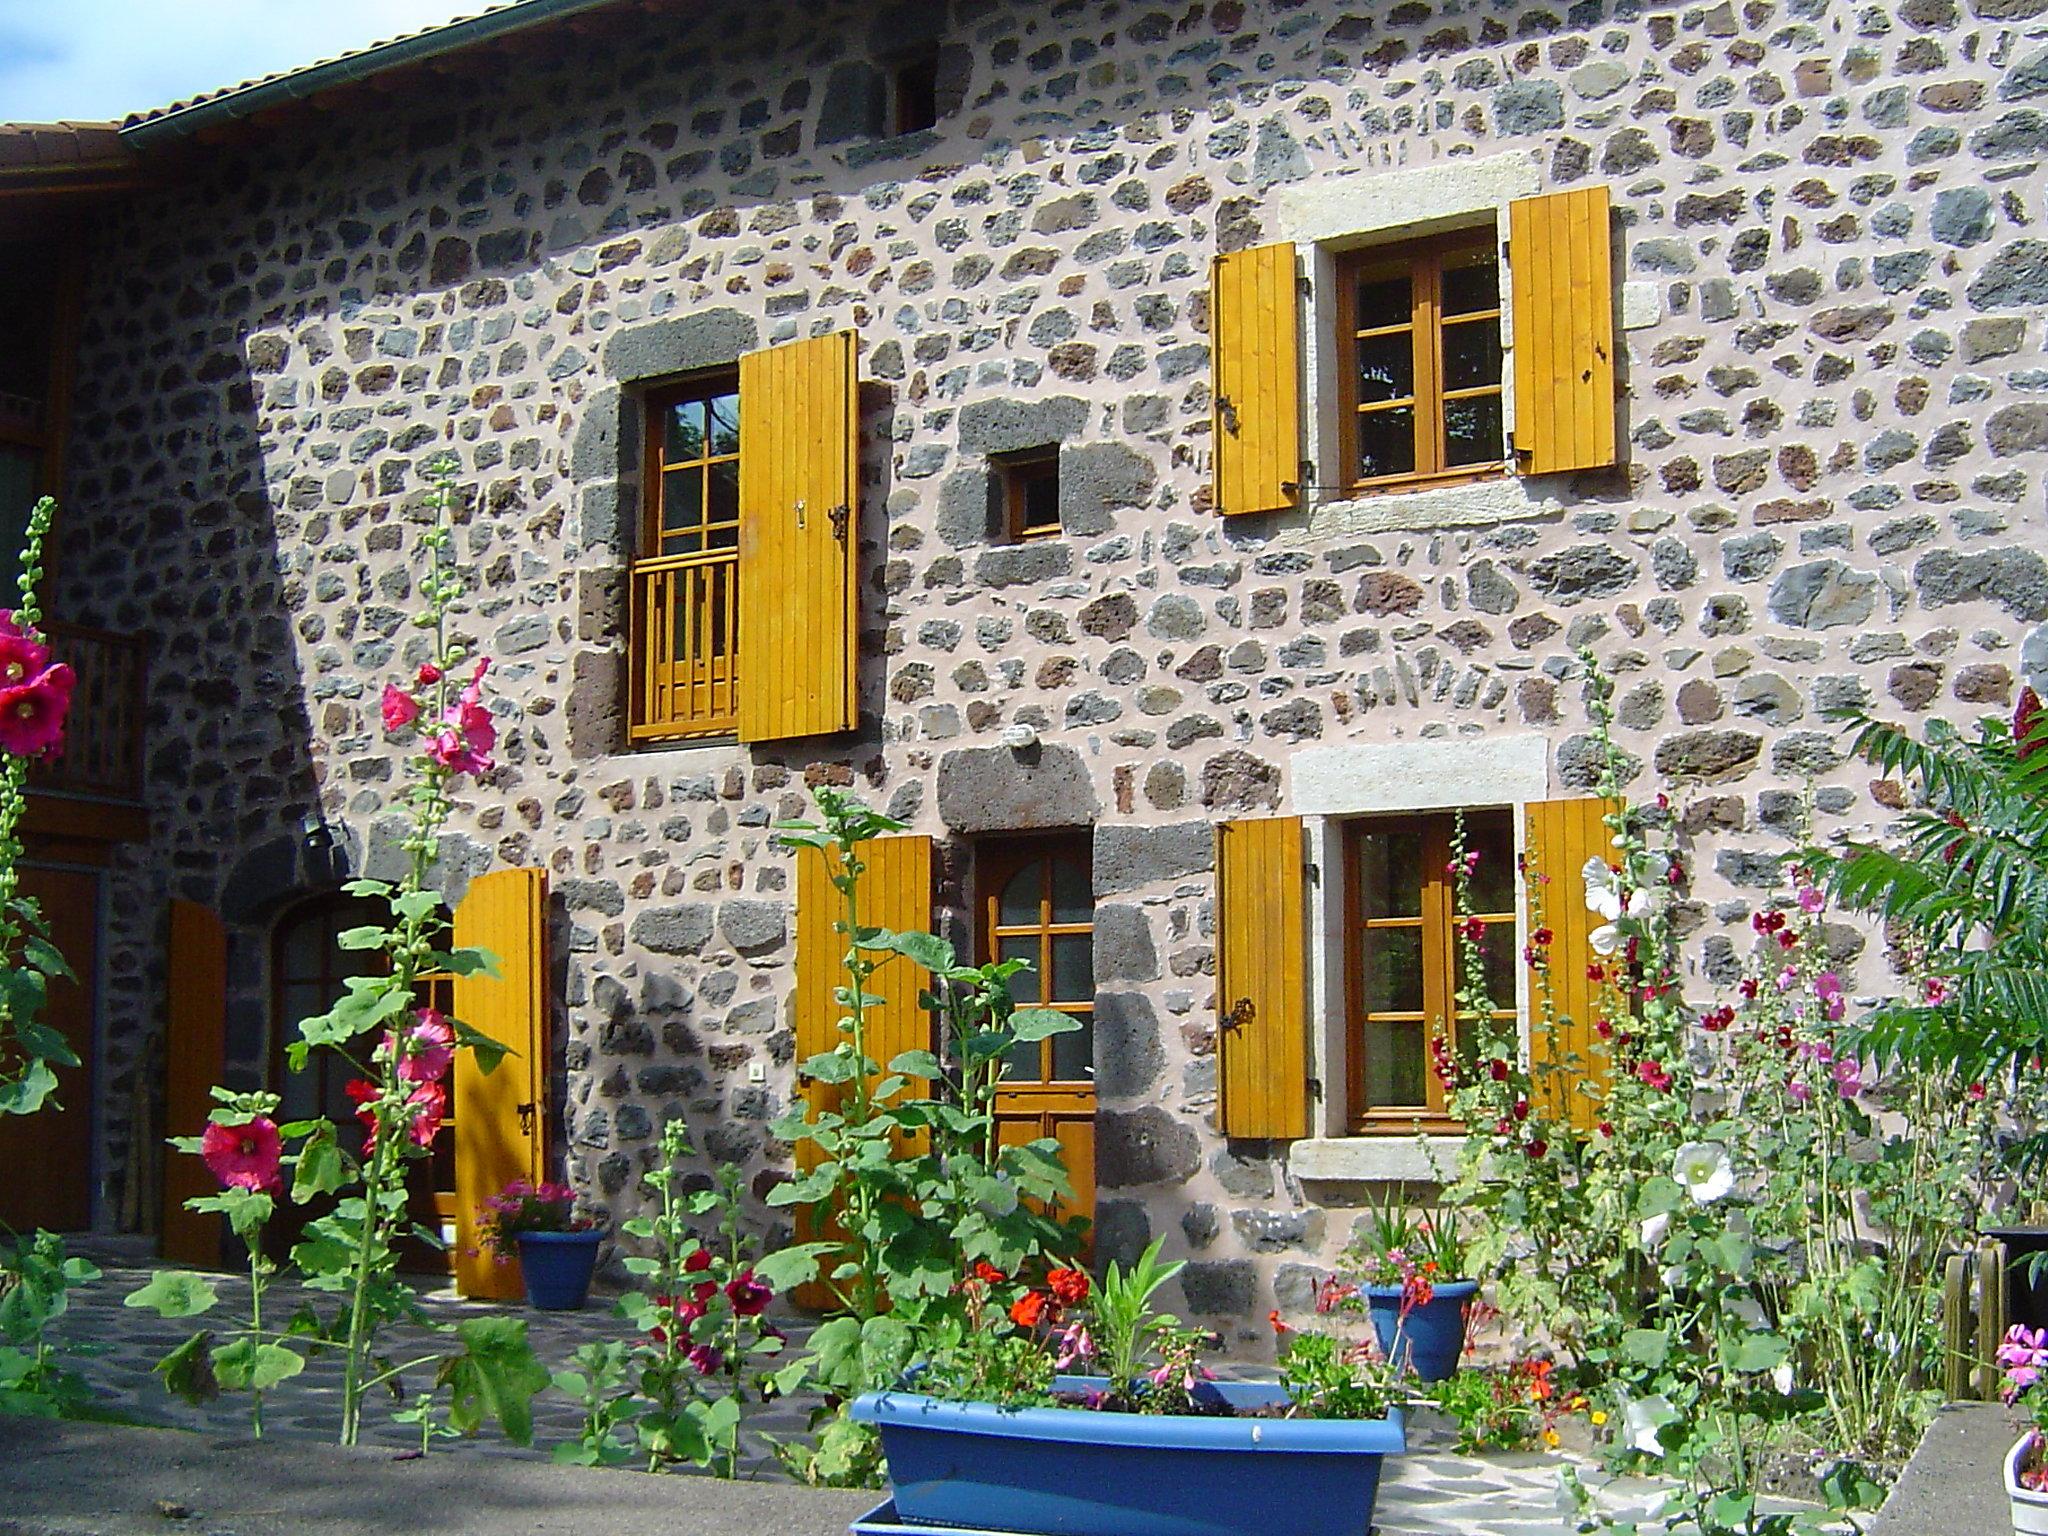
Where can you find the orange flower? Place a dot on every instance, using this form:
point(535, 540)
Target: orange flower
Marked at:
point(1279, 1327)
point(1029, 1309)
point(1069, 1287)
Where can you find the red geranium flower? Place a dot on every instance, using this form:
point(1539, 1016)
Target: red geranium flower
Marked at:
point(1069, 1287)
point(988, 1274)
point(243, 1156)
point(1028, 1310)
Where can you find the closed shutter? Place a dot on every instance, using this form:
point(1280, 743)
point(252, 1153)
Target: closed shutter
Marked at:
point(1255, 334)
point(1261, 978)
point(895, 893)
point(1561, 258)
point(500, 1118)
point(1571, 1074)
point(195, 1044)
point(799, 538)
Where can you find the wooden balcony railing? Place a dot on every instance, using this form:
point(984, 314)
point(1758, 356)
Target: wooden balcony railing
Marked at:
point(685, 645)
point(102, 754)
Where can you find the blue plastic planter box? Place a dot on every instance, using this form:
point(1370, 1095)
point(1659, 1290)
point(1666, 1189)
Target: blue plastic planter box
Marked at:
point(1077, 1472)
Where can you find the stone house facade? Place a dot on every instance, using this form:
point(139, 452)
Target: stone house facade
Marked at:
point(1821, 309)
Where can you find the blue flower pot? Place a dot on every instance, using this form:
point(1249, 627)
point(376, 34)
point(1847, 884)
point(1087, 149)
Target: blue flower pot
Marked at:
point(1079, 1472)
point(1432, 1336)
point(557, 1267)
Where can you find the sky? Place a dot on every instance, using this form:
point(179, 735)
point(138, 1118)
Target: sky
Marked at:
point(98, 60)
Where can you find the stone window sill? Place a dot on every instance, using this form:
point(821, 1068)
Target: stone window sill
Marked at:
point(1502, 498)
point(1375, 1159)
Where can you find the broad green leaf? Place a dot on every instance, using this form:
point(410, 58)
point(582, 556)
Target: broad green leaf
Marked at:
point(920, 1064)
point(925, 949)
point(1029, 1024)
point(371, 937)
point(496, 1374)
point(188, 1372)
point(45, 957)
point(174, 1293)
point(787, 1268)
point(320, 1170)
point(244, 1365)
point(29, 1092)
point(1757, 1352)
point(1646, 1346)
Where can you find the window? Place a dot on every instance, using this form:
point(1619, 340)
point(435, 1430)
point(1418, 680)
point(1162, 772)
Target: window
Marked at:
point(686, 583)
point(914, 93)
point(1403, 964)
point(1038, 906)
point(1420, 359)
point(1031, 493)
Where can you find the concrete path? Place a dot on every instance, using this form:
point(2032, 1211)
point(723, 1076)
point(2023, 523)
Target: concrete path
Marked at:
point(1955, 1483)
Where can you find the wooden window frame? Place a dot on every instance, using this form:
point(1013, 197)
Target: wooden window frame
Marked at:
point(995, 866)
point(1425, 260)
point(1019, 472)
point(1436, 919)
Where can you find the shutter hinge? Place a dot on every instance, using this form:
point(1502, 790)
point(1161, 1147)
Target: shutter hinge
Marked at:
point(1226, 412)
point(841, 515)
point(1314, 873)
point(1241, 1013)
point(1315, 1089)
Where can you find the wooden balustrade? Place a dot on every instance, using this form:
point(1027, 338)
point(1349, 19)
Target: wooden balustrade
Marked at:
point(102, 754)
point(685, 645)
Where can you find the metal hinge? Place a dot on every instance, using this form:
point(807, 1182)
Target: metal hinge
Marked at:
point(526, 1113)
point(841, 515)
point(1226, 413)
point(1315, 1088)
point(1241, 1013)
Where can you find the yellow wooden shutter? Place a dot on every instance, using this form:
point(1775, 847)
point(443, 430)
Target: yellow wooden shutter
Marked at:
point(1255, 336)
point(799, 538)
point(1261, 978)
point(500, 1119)
point(195, 1042)
point(1560, 836)
point(896, 893)
point(1560, 255)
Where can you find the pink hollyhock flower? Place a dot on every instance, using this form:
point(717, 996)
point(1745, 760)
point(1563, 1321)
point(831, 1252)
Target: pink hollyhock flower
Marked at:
point(749, 1297)
point(244, 1156)
point(463, 741)
point(707, 1358)
point(400, 708)
point(1848, 1073)
point(1811, 898)
point(1799, 1092)
point(427, 1050)
point(21, 657)
point(1652, 1073)
point(2026, 720)
point(32, 713)
point(429, 1105)
point(1934, 990)
point(1828, 988)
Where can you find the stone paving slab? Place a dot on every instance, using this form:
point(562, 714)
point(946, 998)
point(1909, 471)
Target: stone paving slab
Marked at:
point(1955, 1483)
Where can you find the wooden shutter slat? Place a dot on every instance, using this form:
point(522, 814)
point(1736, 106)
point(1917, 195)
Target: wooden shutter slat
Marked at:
point(1254, 328)
point(798, 615)
point(1261, 960)
point(1559, 837)
point(500, 1118)
point(195, 1043)
point(1560, 255)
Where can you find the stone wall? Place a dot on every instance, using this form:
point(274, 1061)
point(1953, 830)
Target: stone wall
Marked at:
point(1835, 417)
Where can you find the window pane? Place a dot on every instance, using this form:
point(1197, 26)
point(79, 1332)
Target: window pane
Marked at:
point(1386, 442)
point(1502, 960)
point(1471, 281)
point(725, 424)
point(683, 435)
point(1386, 367)
point(682, 500)
point(1392, 958)
point(1391, 874)
point(1024, 1062)
point(1073, 967)
point(1472, 430)
point(1073, 1055)
point(1025, 986)
point(724, 507)
point(1384, 297)
point(1490, 834)
point(1041, 490)
point(1072, 899)
point(1394, 1064)
point(1472, 353)
point(1019, 902)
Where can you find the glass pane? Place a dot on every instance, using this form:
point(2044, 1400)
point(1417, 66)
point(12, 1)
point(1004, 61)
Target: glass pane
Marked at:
point(725, 424)
point(1471, 281)
point(1386, 442)
point(1386, 367)
point(1073, 967)
point(1472, 353)
point(683, 434)
point(1019, 902)
point(1394, 1064)
point(1490, 834)
point(304, 941)
point(1073, 1055)
point(1391, 874)
point(1072, 899)
point(724, 507)
point(1502, 961)
point(1392, 958)
point(1384, 297)
point(1024, 986)
point(1472, 430)
point(1025, 1062)
point(682, 500)
point(1041, 499)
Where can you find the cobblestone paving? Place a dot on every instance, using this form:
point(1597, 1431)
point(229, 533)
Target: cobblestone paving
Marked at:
point(1429, 1492)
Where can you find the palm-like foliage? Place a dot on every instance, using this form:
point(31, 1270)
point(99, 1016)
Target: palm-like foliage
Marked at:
point(1965, 884)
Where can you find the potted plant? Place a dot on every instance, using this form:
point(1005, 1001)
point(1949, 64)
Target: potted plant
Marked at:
point(557, 1249)
point(1093, 1416)
point(1408, 1265)
point(2024, 1354)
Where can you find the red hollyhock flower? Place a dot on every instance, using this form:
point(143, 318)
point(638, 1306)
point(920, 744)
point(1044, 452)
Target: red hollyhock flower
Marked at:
point(398, 708)
point(429, 674)
point(244, 1156)
point(1028, 1310)
point(21, 656)
point(364, 1095)
point(1654, 1075)
point(749, 1297)
point(1069, 1287)
point(701, 1259)
point(1536, 1149)
point(2026, 721)
point(429, 1105)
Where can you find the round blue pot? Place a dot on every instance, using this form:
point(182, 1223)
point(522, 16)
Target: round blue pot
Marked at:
point(1432, 1336)
point(557, 1267)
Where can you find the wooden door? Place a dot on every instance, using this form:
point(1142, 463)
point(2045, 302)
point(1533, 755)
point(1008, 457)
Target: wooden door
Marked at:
point(49, 1155)
point(195, 1045)
point(1037, 905)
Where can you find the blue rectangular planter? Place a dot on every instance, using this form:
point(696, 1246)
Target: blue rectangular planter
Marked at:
point(1077, 1472)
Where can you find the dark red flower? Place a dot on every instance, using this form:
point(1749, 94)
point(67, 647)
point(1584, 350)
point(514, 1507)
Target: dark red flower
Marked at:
point(749, 1297)
point(2027, 724)
point(1536, 1149)
point(988, 1274)
point(1069, 1287)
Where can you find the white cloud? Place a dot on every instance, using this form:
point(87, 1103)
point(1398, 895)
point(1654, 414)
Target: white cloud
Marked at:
point(93, 60)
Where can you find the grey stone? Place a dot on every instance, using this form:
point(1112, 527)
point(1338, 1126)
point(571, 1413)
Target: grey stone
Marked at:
point(2016, 579)
point(1244, 1177)
point(1200, 1226)
point(1129, 1055)
point(1236, 781)
point(2016, 278)
point(1016, 565)
point(1175, 616)
point(856, 96)
point(1823, 594)
point(705, 338)
point(1581, 572)
point(1708, 757)
point(1767, 697)
point(611, 417)
point(1488, 589)
point(1277, 158)
point(1277, 1231)
point(968, 511)
point(1095, 478)
point(996, 789)
point(2026, 79)
point(1750, 556)
point(1123, 944)
point(1127, 858)
point(1989, 338)
point(753, 927)
point(1528, 106)
point(2016, 429)
point(1962, 216)
point(1220, 1287)
point(1008, 425)
point(1295, 1286)
point(679, 930)
point(1143, 1146)
point(1122, 1232)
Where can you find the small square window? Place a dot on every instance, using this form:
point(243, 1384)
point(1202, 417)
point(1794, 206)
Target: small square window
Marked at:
point(1031, 493)
point(914, 93)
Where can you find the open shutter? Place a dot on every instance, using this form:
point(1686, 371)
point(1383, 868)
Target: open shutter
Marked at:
point(500, 1118)
point(195, 1043)
point(1255, 334)
point(799, 538)
point(1560, 836)
point(895, 892)
point(1261, 978)
point(1561, 259)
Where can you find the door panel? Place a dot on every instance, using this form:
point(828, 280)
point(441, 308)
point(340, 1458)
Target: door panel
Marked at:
point(49, 1154)
point(195, 1041)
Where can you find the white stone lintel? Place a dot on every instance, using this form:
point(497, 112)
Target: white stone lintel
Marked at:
point(1375, 1159)
point(1414, 200)
point(1363, 778)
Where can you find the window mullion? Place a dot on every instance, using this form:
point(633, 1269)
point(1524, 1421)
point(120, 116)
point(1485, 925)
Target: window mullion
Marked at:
point(1429, 400)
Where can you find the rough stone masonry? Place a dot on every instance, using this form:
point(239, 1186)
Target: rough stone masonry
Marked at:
point(1835, 418)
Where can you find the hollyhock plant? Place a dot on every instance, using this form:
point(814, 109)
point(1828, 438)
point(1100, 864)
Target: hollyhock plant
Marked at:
point(426, 1051)
point(246, 1155)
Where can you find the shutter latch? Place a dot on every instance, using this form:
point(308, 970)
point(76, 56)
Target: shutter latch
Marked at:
point(1242, 1012)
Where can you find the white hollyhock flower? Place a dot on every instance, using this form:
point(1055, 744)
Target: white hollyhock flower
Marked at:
point(1705, 1171)
point(1608, 904)
point(1643, 1418)
point(1781, 1377)
point(1654, 1228)
point(1599, 880)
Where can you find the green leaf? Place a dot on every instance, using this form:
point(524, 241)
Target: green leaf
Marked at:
point(1757, 1352)
point(925, 949)
point(496, 1374)
point(27, 1093)
point(920, 1064)
point(244, 1365)
point(1029, 1024)
point(488, 1052)
point(188, 1372)
point(1646, 1346)
point(787, 1268)
point(174, 1293)
point(371, 937)
point(320, 1170)
point(45, 957)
